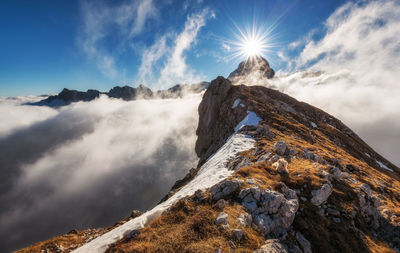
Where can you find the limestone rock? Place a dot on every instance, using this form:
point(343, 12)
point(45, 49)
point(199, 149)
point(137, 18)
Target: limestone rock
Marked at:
point(272, 246)
point(245, 219)
point(321, 195)
point(225, 188)
point(222, 219)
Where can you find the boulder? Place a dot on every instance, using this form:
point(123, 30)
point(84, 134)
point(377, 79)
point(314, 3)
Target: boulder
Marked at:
point(225, 188)
point(220, 204)
point(238, 234)
point(270, 209)
point(245, 220)
point(272, 246)
point(322, 194)
point(280, 147)
point(222, 219)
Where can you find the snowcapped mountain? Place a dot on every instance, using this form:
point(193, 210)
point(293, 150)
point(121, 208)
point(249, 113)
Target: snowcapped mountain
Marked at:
point(274, 175)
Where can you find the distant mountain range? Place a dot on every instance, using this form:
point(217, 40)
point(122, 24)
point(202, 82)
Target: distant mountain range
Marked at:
point(127, 93)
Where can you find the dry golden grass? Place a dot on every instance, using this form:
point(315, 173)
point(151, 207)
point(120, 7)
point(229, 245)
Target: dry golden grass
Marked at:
point(66, 243)
point(188, 227)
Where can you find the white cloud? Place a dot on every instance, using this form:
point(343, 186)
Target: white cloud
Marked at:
point(360, 59)
point(91, 163)
point(169, 52)
point(102, 21)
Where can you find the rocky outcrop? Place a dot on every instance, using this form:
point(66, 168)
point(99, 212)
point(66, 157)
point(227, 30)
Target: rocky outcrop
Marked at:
point(322, 194)
point(272, 246)
point(216, 119)
point(270, 209)
point(252, 66)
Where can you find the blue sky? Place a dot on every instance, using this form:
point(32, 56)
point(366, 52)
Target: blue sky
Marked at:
point(48, 45)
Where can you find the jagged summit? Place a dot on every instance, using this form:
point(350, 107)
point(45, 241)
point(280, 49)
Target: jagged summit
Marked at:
point(253, 67)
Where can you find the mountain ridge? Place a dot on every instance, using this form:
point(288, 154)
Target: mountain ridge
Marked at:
point(127, 93)
point(274, 175)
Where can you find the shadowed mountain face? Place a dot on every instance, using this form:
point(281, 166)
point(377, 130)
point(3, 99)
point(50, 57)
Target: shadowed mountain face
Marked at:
point(127, 93)
point(253, 67)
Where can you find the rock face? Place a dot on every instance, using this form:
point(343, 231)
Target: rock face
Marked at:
point(216, 122)
point(255, 66)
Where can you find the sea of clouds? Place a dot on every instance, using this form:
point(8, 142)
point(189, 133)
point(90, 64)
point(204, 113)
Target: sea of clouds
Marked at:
point(88, 164)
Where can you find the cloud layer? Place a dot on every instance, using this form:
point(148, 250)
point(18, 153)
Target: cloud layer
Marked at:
point(90, 164)
point(359, 57)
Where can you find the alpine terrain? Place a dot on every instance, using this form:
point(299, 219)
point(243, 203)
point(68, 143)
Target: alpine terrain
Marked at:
point(274, 175)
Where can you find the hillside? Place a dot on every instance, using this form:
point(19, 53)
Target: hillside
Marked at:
point(274, 175)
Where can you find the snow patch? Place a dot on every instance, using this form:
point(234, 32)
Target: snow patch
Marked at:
point(313, 125)
point(384, 166)
point(211, 173)
point(235, 104)
point(250, 120)
point(367, 154)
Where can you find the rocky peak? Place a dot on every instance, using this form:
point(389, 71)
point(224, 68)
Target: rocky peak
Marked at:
point(129, 93)
point(252, 67)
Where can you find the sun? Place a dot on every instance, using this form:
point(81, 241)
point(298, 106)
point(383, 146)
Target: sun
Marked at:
point(252, 47)
point(250, 43)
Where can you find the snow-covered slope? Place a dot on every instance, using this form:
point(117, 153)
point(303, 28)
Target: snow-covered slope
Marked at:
point(212, 172)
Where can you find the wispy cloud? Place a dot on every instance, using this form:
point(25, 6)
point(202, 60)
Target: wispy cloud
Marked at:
point(102, 21)
point(169, 53)
point(359, 55)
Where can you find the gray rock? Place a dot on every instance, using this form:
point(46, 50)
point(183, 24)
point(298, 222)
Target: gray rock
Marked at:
point(280, 147)
point(336, 220)
point(272, 246)
point(134, 233)
point(321, 195)
point(238, 234)
point(272, 209)
point(222, 218)
point(199, 194)
point(220, 204)
point(271, 201)
point(304, 243)
point(264, 157)
point(225, 188)
point(245, 219)
point(243, 163)
point(308, 154)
